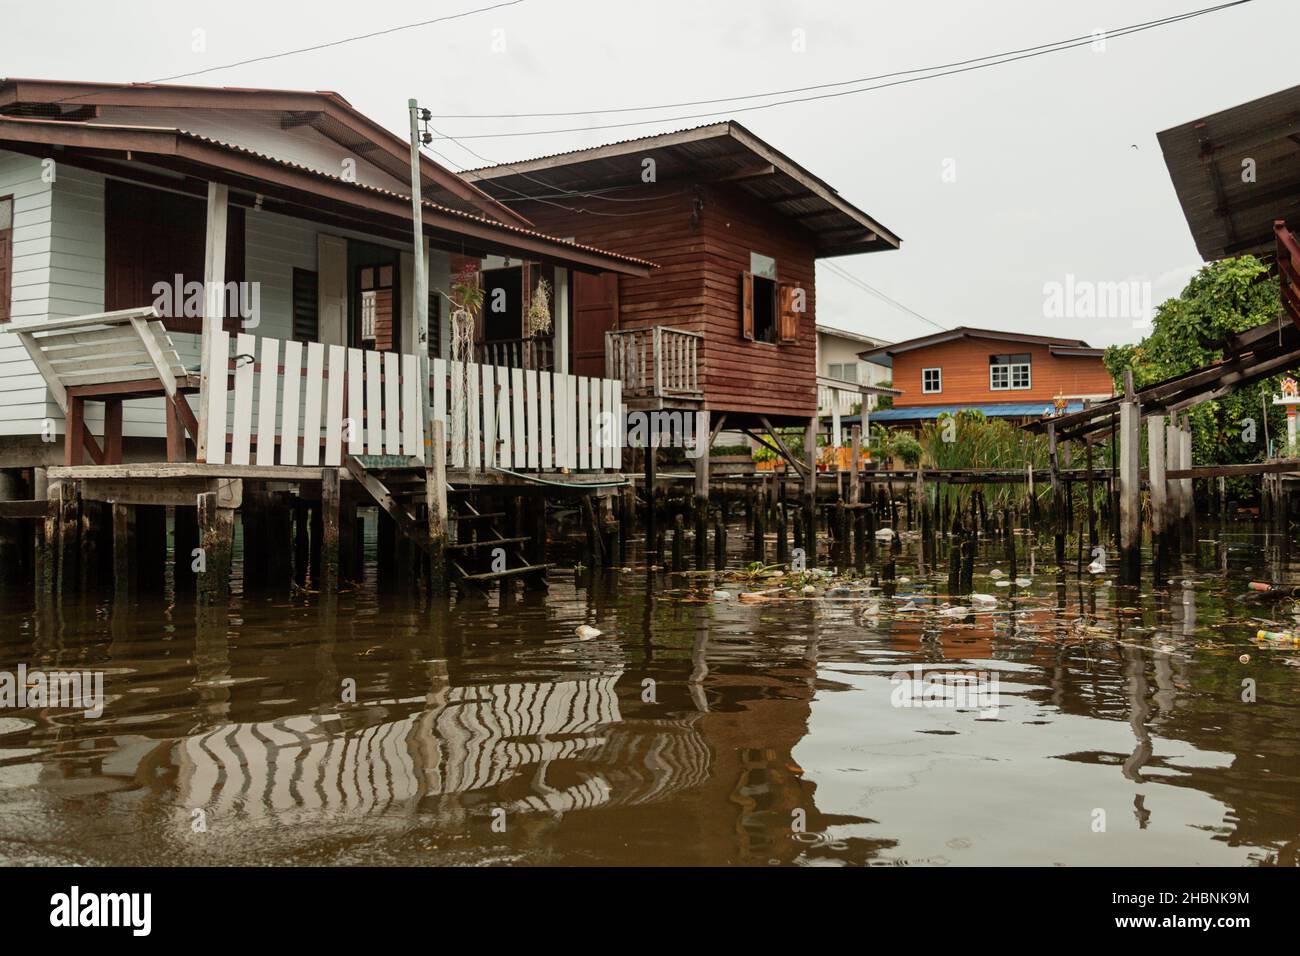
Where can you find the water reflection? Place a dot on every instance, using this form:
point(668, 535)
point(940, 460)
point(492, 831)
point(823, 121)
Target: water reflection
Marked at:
point(695, 730)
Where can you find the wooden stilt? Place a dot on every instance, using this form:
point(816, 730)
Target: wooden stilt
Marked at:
point(330, 499)
point(217, 539)
point(124, 564)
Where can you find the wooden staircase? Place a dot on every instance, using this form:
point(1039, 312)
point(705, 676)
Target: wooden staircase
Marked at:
point(478, 555)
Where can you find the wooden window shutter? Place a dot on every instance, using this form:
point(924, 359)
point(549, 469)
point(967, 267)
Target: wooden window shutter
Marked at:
point(6, 273)
point(747, 305)
point(384, 320)
point(789, 317)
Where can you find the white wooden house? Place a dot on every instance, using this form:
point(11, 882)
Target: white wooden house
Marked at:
point(115, 197)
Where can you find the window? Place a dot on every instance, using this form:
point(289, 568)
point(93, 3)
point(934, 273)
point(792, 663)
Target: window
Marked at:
point(306, 307)
point(931, 380)
point(843, 371)
point(6, 256)
point(1008, 372)
point(770, 310)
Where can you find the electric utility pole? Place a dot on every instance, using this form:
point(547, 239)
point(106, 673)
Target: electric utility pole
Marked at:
point(421, 275)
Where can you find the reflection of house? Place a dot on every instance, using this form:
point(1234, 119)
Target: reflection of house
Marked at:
point(837, 359)
point(476, 738)
point(1009, 375)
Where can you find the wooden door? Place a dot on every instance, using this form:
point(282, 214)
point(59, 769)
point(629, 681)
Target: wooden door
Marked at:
point(332, 289)
point(595, 312)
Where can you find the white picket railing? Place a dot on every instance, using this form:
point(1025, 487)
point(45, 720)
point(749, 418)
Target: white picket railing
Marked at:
point(290, 403)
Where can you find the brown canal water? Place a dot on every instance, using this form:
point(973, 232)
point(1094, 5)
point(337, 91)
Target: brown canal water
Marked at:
point(695, 729)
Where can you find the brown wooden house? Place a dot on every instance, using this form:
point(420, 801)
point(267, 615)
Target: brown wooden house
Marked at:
point(726, 323)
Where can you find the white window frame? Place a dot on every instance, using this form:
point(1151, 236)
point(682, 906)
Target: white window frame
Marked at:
point(925, 390)
point(1011, 369)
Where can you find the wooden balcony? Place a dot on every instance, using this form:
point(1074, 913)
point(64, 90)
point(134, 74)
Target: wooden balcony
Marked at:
point(657, 366)
point(537, 354)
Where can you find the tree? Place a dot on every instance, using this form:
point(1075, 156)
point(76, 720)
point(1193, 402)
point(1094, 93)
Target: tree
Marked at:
point(1223, 297)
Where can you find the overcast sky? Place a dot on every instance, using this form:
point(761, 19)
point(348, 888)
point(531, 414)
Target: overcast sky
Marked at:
point(1057, 168)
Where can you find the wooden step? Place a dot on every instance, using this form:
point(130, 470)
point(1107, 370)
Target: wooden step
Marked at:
point(471, 545)
point(507, 573)
point(485, 516)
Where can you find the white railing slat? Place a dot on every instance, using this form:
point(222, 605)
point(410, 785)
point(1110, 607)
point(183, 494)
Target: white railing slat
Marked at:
point(356, 402)
point(268, 390)
point(374, 405)
point(311, 406)
point(334, 406)
point(412, 408)
point(546, 379)
point(489, 394)
point(218, 385)
point(392, 404)
point(241, 431)
point(289, 408)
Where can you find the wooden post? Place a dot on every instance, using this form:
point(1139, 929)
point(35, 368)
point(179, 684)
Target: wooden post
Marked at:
point(124, 559)
point(704, 435)
point(435, 490)
point(214, 284)
point(69, 537)
point(217, 539)
point(1185, 462)
point(1174, 489)
point(1058, 505)
point(855, 459)
point(810, 493)
point(1130, 492)
point(329, 499)
point(47, 574)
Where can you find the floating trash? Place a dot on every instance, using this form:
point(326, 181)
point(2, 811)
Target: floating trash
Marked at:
point(586, 632)
point(722, 595)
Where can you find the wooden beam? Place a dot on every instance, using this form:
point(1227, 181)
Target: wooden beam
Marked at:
point(214, 278)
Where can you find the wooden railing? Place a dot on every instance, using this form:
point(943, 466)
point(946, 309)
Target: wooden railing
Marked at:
point(531, 353)
point(310, 404)
point(659, 362)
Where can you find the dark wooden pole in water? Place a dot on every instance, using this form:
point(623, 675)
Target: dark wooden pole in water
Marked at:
point(719, 542)
point(703, 446)
point(124, 564)
point(1058, 505)
point(679, 532)
point(855, 463)
point(217, 539)
point(782, 535)
point(1092, 515)
point(330, 499)
point(810, 492)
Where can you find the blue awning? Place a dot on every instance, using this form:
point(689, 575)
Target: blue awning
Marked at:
point(921, 413)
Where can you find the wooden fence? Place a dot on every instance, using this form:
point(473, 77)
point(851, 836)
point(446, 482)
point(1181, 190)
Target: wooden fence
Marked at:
point(294, 403)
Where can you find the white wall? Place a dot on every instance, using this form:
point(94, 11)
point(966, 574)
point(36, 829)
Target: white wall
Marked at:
point(58, 271)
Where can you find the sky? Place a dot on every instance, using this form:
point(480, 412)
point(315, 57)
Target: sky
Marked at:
point(1001, 182)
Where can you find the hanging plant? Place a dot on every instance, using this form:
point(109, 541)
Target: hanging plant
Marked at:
point(539, 310)
point(467, 297)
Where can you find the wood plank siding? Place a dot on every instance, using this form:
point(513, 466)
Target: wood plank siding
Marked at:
point(701, 238)
point(965, 373)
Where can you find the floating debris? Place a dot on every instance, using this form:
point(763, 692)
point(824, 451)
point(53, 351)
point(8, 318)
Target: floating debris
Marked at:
point(722, 595)
point(586, 632)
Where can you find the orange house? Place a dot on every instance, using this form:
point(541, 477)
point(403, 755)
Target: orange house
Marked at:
point(1002, 374)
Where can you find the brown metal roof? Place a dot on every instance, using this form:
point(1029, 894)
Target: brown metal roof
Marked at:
point(720, 152)
point(168, 142)
point(1227, 215)
point(1057, 346)
point(327, 112)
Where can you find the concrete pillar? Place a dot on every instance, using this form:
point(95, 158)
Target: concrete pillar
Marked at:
point(1130, 499)
point(329, 498)
point(1156, 476)
point(810, 492)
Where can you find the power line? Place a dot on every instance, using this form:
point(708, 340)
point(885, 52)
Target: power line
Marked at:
point(867, 287)
point(805, 89)
point(306, 49)
point(979, 64)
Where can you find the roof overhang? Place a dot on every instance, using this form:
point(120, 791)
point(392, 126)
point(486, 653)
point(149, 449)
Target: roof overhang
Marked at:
point(244, 169)
point(328, 113)
point(1065, 348)
point(1231, 213)
point(718, 153)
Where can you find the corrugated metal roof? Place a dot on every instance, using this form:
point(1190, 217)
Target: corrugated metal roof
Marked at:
point(378, 190)
point(1228, 211)
point(919, 413)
